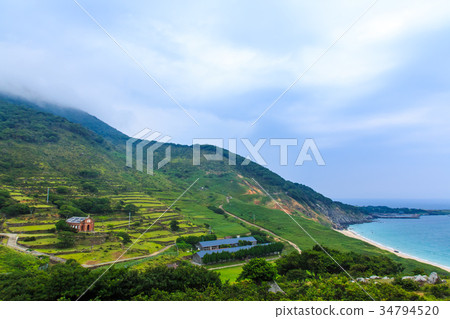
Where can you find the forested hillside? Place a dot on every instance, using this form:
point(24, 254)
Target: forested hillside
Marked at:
point(40, 144)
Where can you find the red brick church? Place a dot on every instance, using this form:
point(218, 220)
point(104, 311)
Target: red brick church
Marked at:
point(84, 224)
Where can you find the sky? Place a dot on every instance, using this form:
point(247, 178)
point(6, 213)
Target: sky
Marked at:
point(376, 102)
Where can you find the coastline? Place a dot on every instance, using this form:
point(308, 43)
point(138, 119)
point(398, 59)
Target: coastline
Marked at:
point(352, 234)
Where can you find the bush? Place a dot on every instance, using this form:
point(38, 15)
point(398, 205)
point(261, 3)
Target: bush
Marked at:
point(217, 210)
point(125, 237)
point(90, 188)
point(183, 246)
point(15, 210)
point(439, 291)
point(63, 226)
point(130, 208)
point(406, 284)
point(62, 190)
point(94, 205)
point(67, 211)
point(174, 225)
point(318, 262)
point(89, 174)
point(418, 271)
point(194, 240)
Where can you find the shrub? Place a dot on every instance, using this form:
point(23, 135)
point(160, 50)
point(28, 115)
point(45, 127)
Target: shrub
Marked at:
point(174, 225)
point(62, 190)
point(90, 188)
point(125, 237)
point(89, 174)
point(15, 209)
point(407, 284)
point(63, 226)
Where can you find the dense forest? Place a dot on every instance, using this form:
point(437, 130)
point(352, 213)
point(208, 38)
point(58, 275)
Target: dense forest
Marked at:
point(309, 276)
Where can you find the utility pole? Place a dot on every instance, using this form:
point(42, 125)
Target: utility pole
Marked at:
point(253, 218)
point(48, 193)
point(129, 220)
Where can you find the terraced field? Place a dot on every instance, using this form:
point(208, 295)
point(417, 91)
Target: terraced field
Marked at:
point(148, 228)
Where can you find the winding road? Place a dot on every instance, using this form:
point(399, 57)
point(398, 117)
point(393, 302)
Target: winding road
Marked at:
point(128, 259)
point(12, 243)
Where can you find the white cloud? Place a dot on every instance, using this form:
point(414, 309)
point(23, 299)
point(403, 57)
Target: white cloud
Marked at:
point(218, 58)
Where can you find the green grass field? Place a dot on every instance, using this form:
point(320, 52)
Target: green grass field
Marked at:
point(220, 225)
point(281, 224)
point(31, 228)
point(231, 273)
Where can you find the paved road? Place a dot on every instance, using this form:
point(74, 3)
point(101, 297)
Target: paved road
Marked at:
point(263, 229)
point(12, 243)
point(127, 259)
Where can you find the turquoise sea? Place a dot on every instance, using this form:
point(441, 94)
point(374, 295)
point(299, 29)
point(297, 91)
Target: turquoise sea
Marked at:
point(427, 237)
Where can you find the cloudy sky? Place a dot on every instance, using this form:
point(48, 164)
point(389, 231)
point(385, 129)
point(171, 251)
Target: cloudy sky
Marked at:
point(376, 103)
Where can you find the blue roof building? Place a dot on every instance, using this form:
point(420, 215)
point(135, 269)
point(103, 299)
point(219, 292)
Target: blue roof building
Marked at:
point(230, 250)
point(218, 244)
point(198, 257)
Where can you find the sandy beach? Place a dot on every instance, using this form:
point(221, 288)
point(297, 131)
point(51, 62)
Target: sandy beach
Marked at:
point(352, 234)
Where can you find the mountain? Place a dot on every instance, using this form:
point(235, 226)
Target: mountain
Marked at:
point(73, 115)
point(53, 143)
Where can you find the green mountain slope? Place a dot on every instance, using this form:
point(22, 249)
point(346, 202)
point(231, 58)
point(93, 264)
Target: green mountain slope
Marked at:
point(41, 150)
point(40, 144)
point(36, 145)
point(73, 115)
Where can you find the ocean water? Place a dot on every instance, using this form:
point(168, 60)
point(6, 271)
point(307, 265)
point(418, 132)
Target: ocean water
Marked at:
point(427, 237)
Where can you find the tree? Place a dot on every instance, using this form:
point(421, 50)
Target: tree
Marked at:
point(131, 208)
point(125, 237)
point(63, 190)
point(5, 198)
point(258, 270)
point(90, 188)
point(194, 240)
point(407, 284)
point(174, 225)
point(63, 226)
point(94, 206)
point(66, 239)
point(183, 246)
point(15, 209)
point(68, 211)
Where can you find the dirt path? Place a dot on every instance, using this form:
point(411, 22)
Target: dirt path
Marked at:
point(127, 259)
point(263, 229)
point(12, 243)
